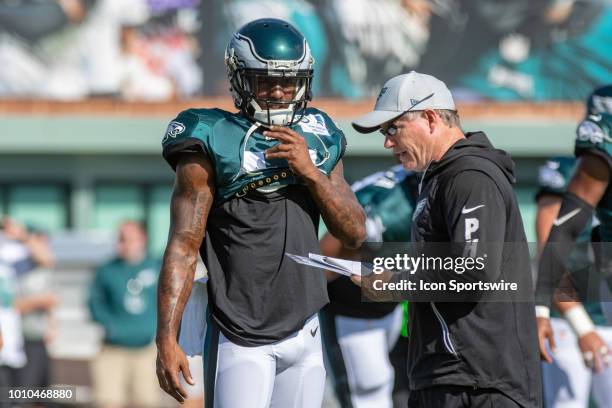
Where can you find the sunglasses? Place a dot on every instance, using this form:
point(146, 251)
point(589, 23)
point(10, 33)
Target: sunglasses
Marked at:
point(391, 130)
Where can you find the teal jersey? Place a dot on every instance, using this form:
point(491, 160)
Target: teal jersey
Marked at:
point(123, 299)
point(554, 175)
point(236, 148)
point(388, 199)
point(594, 136)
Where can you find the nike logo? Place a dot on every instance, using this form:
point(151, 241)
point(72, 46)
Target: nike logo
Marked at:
point(314, 332)
point(566, 217)
point(469, 210)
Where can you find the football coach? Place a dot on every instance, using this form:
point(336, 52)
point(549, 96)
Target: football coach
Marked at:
point(462, 353)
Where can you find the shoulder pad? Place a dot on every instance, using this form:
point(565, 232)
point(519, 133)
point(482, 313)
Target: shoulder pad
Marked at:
point(593, 136)
point(189, 132)
point(191, 123)
point(382, 179)
point(319, 122)
point(554, 175)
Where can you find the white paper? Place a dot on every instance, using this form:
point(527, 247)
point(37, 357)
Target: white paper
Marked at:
point(353, 267)
point(310, 262)
point(337, 265)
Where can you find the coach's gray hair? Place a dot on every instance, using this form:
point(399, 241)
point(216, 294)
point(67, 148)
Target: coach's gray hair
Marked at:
point(449, 117)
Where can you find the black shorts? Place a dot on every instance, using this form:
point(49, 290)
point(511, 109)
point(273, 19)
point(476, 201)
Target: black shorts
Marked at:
point(454, 396)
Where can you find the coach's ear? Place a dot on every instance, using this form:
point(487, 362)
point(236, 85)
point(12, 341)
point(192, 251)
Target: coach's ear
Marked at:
point(432, 118)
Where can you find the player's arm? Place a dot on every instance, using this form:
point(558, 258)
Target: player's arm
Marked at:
point(192, 199)
point(593, 348)
point(586, 188)
point(339, 208)
point(548, 208)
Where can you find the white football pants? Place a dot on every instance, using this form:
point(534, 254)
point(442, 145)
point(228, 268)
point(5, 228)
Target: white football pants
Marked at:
point(567, 381)
point(358, 353)
point(286, 374)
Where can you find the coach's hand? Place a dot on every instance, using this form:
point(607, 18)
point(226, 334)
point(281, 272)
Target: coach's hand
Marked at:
point(594, 351)
point(545, 333)
point(293, 148)
point(170, 361)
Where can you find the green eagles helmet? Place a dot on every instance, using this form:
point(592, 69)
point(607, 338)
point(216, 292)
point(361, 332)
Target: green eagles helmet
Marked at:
point(269, 51)
point(600, 101)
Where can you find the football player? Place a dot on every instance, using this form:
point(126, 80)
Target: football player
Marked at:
point(358, 336)
point(251, 187)
point(587, 189)
point(568, 382)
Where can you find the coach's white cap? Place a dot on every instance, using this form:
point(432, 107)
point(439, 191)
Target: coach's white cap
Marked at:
point(403, 93)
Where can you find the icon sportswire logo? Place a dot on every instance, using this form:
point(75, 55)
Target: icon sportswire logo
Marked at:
point(469, 210)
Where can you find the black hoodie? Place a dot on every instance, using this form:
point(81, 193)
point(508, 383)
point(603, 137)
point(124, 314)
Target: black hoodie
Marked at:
point(466, 198)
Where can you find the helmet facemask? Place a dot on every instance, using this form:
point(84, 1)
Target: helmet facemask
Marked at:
point(267, 110)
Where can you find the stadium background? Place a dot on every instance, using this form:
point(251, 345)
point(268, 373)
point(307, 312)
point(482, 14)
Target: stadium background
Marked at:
point(85, 102)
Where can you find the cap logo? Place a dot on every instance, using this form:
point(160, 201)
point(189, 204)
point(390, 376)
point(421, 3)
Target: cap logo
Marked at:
point(382, 92)
point(413, 102)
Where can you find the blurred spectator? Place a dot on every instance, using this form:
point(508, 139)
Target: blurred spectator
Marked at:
point(142, 77)
point(20, 252)
point(30, 53)
point(71, 49)
point(12, 355)
point(64, 49)
point(123, 302)
point(101, 43)
point(35, 302)
point(32, 20)
point(371, 40)
point(160, 56)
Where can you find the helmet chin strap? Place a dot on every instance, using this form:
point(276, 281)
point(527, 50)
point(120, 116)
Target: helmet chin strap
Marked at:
point(277, 117)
